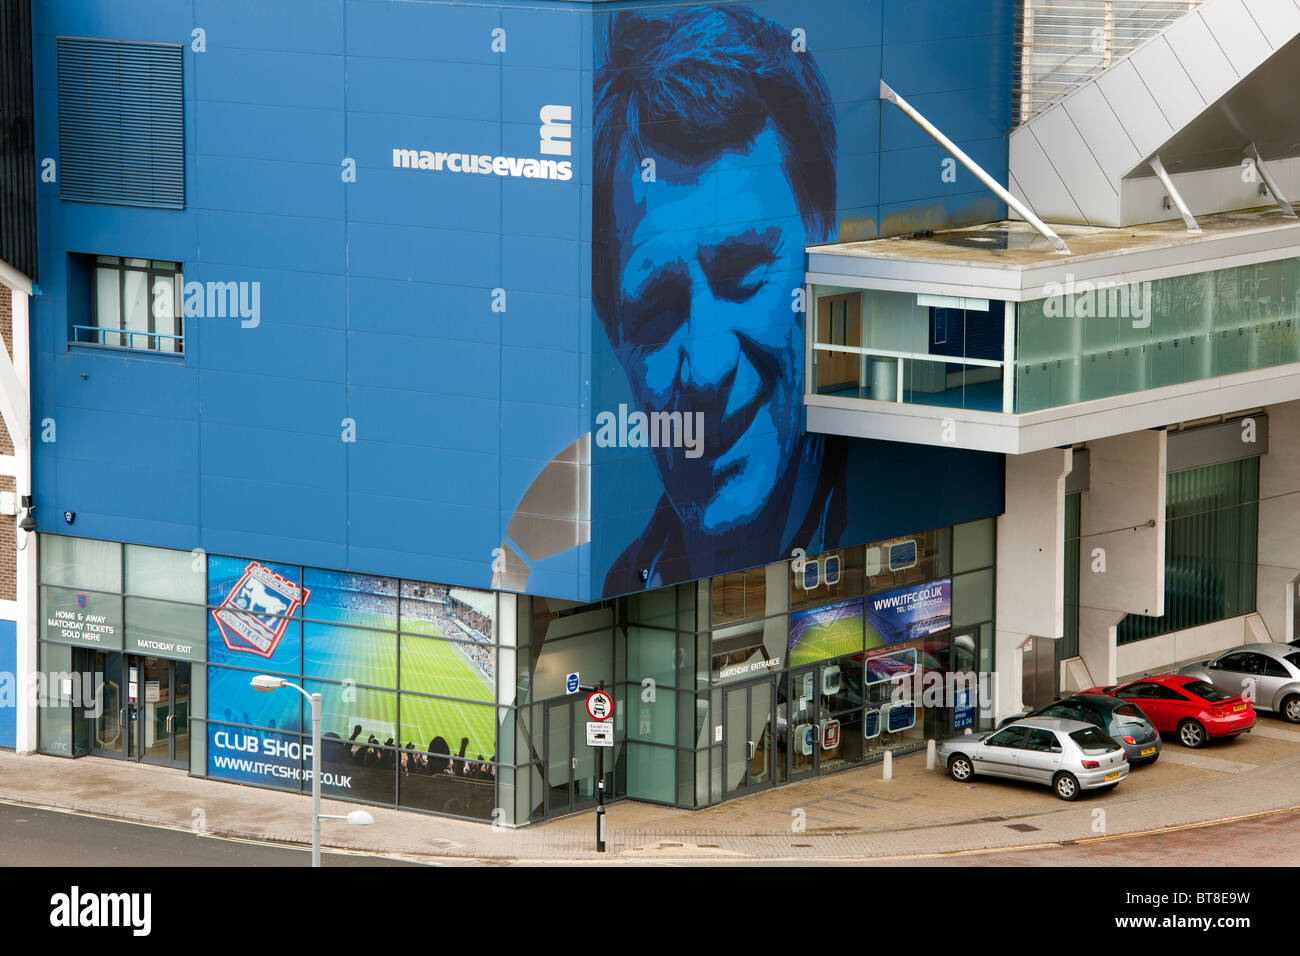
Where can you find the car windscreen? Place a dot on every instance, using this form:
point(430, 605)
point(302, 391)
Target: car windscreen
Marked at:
point(1129, 716)
point(1292, 659)
point(1092, 741)
point(1207, 691)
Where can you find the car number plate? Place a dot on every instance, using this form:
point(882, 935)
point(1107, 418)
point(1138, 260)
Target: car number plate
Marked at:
point(1238, 708)
point(1148, 752)
point(1113, 776)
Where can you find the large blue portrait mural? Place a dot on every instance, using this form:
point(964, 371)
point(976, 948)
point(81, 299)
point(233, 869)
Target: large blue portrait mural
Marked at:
point(714, 167)
point(723, 142)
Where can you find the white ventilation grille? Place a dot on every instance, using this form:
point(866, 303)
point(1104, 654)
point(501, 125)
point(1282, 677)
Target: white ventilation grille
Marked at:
point(1061, 44)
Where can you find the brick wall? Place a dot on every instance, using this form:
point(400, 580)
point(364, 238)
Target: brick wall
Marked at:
point(6, 333)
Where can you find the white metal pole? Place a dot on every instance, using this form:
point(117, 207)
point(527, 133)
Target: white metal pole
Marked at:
point(1025, 213)
point(315, 778)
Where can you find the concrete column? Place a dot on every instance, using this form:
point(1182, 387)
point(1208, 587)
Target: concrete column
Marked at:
point(1031, 564)
point(1279, 522)
point(1122, 546)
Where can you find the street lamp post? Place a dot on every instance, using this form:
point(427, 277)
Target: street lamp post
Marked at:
point(266, 683)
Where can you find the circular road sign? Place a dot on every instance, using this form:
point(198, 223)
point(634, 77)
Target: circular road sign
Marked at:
point(600, 706)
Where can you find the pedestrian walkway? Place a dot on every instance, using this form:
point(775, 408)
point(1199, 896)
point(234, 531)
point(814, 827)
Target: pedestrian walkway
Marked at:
point(854, 815)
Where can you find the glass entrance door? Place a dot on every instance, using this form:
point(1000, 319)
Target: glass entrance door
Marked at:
point(161, 711)
point(558, 758)
point(143, 713)
point(107, 738)
point(747, 739)
point(151, 709)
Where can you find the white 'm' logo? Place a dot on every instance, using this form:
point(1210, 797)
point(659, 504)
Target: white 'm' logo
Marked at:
point(557, 130)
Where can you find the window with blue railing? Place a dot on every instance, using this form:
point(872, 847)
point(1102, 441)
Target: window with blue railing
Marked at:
point(133, 305)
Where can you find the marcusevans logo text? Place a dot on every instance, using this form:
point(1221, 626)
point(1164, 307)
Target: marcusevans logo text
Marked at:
point(555, 139)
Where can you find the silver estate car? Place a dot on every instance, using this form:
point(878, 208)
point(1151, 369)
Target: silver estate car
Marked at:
point(1274, 670)
point(1067, 755)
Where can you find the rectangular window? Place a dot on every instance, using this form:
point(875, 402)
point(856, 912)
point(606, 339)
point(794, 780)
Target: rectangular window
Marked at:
point(1211, 549)
point(1069, 644)
point(134, 306)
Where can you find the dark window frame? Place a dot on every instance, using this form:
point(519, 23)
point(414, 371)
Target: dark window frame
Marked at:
point(153, 272)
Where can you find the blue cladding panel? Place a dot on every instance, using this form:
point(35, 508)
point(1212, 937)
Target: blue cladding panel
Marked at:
point(444, 320)
point(8, 667)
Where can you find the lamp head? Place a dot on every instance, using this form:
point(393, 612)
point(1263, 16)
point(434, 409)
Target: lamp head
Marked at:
point(265, 682)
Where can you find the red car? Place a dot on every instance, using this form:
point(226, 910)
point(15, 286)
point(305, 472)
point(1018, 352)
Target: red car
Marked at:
point(1195, 710)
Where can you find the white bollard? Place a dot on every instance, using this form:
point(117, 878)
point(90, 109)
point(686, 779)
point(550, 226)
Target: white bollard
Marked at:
point(929, 755)
point(889, 765)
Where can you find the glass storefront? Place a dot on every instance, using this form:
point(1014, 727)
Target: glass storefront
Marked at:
point(147, 655)
point(454, 701)
point(778, 673)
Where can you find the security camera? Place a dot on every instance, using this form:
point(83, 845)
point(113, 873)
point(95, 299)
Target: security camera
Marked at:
point(28, 523)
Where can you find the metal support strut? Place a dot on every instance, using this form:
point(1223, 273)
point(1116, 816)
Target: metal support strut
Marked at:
point(1025, 213)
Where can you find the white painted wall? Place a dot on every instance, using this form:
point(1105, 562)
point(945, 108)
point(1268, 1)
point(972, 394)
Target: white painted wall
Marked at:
point(1031, 537)
point(1122, 548)
point(1160, 654)
point(1031, 565)
point(1279, 520)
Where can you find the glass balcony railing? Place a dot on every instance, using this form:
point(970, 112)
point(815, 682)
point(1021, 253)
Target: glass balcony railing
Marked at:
point(1089, 342)
point(915, 379)
point(1112, 341)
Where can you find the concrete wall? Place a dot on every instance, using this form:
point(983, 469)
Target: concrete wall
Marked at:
point(1031, 564)
point(1160, 654)
point(1279, 521)
point(1122, 551)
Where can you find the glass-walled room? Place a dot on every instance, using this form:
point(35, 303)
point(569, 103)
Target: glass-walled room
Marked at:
point(907, 347)
point(1087, 340)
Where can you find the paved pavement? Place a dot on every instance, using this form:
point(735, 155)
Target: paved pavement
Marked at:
point(1269, 840)
point(35, 837)
point(853, 815)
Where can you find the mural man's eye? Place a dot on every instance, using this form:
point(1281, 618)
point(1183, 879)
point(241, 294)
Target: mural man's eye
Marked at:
point(745, 287)
point(656, 312)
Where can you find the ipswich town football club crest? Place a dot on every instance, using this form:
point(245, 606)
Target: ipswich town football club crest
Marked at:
point(256, 612)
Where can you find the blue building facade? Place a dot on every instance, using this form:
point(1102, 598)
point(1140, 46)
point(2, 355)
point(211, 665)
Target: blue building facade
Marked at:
point(411, 292)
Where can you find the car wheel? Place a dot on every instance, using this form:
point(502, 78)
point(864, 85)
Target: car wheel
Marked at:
point(961, 768)
point(1066, 786)
point(1191, 734)
point(1291, 708)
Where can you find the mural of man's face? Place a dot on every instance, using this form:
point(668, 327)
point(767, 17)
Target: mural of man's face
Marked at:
point(710, 257)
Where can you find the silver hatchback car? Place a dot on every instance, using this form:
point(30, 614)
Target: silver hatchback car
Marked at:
point(1067, 755)
point(1272, 670)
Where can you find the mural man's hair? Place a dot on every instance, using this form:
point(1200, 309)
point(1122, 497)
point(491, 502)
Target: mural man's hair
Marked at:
point(691, 84)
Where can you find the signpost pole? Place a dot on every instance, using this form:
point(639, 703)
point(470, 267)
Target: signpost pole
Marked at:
point(600, 799)
point(600, 776)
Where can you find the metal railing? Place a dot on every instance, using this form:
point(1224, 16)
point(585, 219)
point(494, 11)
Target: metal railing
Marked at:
point(155, 346)
point(899, 389)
